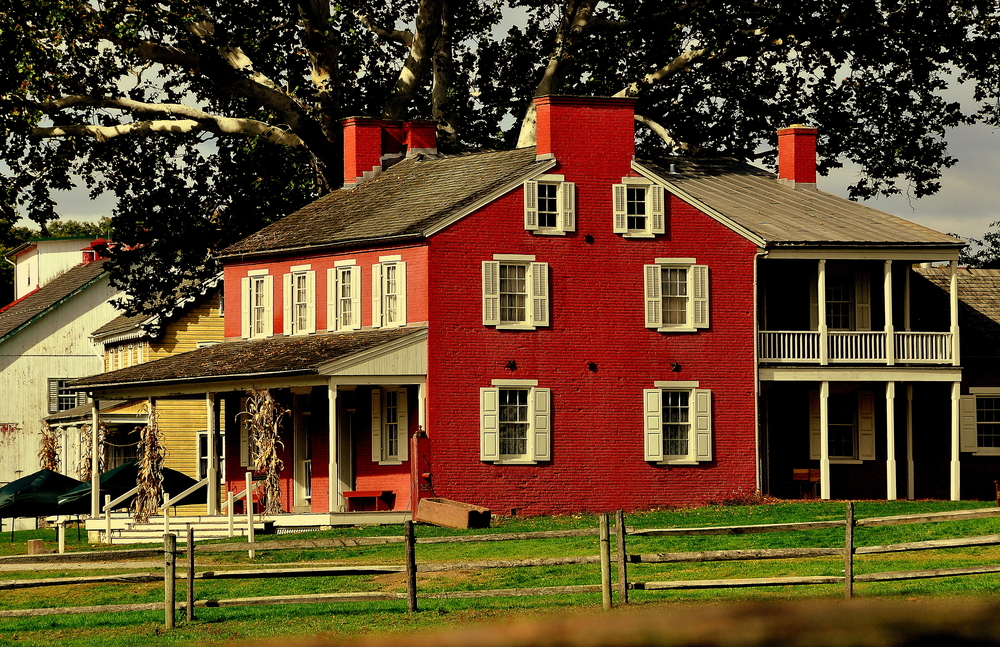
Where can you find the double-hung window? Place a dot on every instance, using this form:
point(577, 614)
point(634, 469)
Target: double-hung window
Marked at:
point(850, 426)
point(300, 301)
point(848, 300)
point(678, 419)
point(389, 425)
point(639, 208)
point(549, 205)
point(257, 292)
point(515, 292)
point(389, 292)
point(220, 454)
point(515, 422)
point(676, 295)
point(343, 296)
point(980, 421)
point(62, 397)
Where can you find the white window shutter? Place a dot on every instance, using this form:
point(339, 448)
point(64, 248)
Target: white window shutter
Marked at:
point(815, 435)
point(866, 425)
point(862, 301)
point(400, 294)
point(531, 205)
point(53, 396)
point(702, 424)
point(310, 303)
point(489, 423)
point(376, 425)
point(541, 424)
point(657, 209)
point(288, 286)
point(246, 308)
point(331, 299)
point(491, 293)
point(652, 289)
point(568, 206)
point(539, 281)
point(356, 298)
point(653, 416)
point(268, 305)
point(403, 418)
point(377, 295)
point(698, 279)
point(618, 197)
point(814, 304)
point(968, 429)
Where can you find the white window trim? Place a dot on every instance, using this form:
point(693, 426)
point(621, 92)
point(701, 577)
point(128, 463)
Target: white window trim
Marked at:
point(698, 302)
point(701, 428)
point(864, 429)
point(656, 217)
point(221, 435)
point(334, 315)
point(246, 293)
point(380, 440)
point(539, 436)
point(565, 205)
point(969, 422)
point(537, 297)
point(379, 277)
point(290, 321)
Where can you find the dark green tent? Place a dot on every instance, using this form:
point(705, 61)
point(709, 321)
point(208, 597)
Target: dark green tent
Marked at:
point(35, 495)
point(118, 481)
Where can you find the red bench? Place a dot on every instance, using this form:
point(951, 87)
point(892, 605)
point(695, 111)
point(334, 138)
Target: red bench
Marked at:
point(381, 500)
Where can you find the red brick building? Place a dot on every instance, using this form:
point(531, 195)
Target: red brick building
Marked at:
point(576, 329)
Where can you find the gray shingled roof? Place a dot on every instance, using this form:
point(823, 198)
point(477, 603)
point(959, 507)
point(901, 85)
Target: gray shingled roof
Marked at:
point(151, 323)
point(35, 304)
point(978, 306)
point(782, 216)
point(405, 201)
point(247, 359)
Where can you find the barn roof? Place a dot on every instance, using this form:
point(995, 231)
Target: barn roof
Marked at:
point(34, 305)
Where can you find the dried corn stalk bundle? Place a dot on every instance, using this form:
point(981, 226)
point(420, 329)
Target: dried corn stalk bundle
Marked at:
point(263, 417)
point(150, 478)
point(48, 448)
point(86, 442)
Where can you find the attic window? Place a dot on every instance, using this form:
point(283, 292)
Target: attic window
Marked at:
point(549, 205)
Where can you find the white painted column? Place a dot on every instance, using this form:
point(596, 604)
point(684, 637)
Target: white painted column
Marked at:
point(824, 440)
point(909, 442)
point(953, 302)
point(956, 391)
point(906, 300)
point(333, 477)
point(212, 473)
point(422, 405)
point(824, 342)
point(890, 342)
point(95, 460)
point(890, 440)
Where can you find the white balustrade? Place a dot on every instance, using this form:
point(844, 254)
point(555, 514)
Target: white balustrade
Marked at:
point(854, 346)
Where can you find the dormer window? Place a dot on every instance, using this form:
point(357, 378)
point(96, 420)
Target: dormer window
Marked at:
point(638, 208)
point(549, 205)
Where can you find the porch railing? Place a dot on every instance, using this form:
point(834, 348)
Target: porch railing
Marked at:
point(804, 346)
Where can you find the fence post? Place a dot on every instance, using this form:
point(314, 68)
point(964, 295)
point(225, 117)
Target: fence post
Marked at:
point(229, 511)
point(169, 580)
point(605, 561)
point(107, 519)
point(849, 552)
point(622, 558)
point(61, 529)
point(411, 566)
point(190, 573)
point(248, 503)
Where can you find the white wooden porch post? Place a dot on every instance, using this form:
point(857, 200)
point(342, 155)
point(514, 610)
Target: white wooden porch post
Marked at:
point(212, 473)
point(824, 342)
point(953, 302)
point(910, 480)
point(422, 405)
point(956, 391)
point(95, 460)
point(333, 478)
point(890, 342)
point(906, 300)
point(824, 440)
point(890, 440)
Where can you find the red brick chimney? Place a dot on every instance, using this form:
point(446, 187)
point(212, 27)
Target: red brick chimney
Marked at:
point(372, 145)
point(797, 156)
point(586, 127)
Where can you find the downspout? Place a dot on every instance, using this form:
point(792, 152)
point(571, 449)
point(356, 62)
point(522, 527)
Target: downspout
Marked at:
point(756, 372)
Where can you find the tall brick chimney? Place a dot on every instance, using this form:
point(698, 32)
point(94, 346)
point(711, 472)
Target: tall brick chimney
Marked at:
point(586, 127)
point(372, 145)
point(797, 156)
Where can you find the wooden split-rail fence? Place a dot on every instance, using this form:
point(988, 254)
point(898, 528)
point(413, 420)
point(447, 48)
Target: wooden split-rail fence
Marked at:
point(621, 584)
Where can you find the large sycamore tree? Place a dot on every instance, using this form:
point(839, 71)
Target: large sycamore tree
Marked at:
point(206, 120)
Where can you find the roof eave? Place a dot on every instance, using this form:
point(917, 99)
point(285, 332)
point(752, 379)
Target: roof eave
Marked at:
point(355, 242)
point(191, 380)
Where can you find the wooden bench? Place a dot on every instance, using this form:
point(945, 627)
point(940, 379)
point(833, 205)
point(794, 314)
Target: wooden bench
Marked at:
point(808, 482)
point(382, 500)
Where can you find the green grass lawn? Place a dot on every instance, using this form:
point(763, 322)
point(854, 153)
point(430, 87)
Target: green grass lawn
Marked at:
point(239, 623)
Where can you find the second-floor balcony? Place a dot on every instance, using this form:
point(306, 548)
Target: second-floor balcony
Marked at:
point(855, 347)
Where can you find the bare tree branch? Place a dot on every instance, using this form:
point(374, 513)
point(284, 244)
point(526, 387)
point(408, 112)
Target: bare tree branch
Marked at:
point(405, 37)
point(674, 66)
point(217, 125)
point(418, 63)
point(663, 134)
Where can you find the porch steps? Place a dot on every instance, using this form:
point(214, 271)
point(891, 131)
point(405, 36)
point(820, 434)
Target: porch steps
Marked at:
point(126, 531)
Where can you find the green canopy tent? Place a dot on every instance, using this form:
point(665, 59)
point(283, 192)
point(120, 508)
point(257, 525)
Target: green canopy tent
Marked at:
point(118, 481)
point(34, 495)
